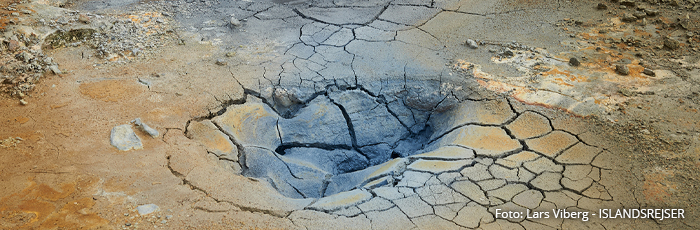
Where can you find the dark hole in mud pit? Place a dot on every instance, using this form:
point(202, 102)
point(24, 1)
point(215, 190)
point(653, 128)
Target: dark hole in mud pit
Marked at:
point(330, 141)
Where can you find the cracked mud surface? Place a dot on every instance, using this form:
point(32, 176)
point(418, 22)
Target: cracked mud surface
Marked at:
point(350, 114)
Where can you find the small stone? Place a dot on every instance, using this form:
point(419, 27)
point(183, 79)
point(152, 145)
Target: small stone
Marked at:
point(15, 14)
point(627, 17)
point(124, 138)
point(671, 44)
point(167, 217)
point(83, 18)
point(127, 224)
point(622, 69)
point(574, 62)
point(13, 45)
point(507, 53)
point(54, 69)
point(163, 221)
point(649, 72)
point(629, 3)
point(602, 6)
point(639, 14)
point(221, 62)
point(25, 57)
point(23, 102)
point(151, 131)
point(472, 44)
point(230, 54)
point(147, 209)
point(651, 12)
point(235, 22)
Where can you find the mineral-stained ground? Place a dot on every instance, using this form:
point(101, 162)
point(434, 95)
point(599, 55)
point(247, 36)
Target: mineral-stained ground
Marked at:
point(336, 114)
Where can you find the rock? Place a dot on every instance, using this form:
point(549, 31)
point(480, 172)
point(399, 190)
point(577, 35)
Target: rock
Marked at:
point(627, 17)
point(83, 18)
point(235, 22)
point(472, 44)
point(13, 45)
point(24, 56)
point(23, 102)
point(602, 6)
point(230, 54)
point(147, 209)
point(507, 53)
point(649, 72)
point(651, 12)
point(629, 3)
point(574, 62)
point(221, 62)
point(124, 138)
point(15, 14)
point(54, 69)
point(151, 131)
point(671, 44)
point(639, 14)
point(622, 69)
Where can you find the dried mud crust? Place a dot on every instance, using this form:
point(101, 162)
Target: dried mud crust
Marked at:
point(497, 154)
point(192, 172)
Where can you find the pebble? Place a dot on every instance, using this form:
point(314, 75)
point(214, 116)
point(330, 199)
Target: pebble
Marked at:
point(602, 6)
point(622, 69)
point(235, 22)
point(472, 44)
point(147, 209)
point(508, 53)
point(54, 69)
point(651, 12)
point(639, 14)
point(151, 131)
point(671, 44)
point(23, 102)
point(84, 18)
point(629, 3)
point(230, 54)
point(627, 17)
point(221, 62)
point(574, 62)
point(649, 72)
point(15, 14)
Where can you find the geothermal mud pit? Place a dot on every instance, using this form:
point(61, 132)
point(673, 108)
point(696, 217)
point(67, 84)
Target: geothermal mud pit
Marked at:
point(421, 149)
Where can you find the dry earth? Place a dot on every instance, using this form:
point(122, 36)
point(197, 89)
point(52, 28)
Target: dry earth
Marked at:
point(514, 124)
